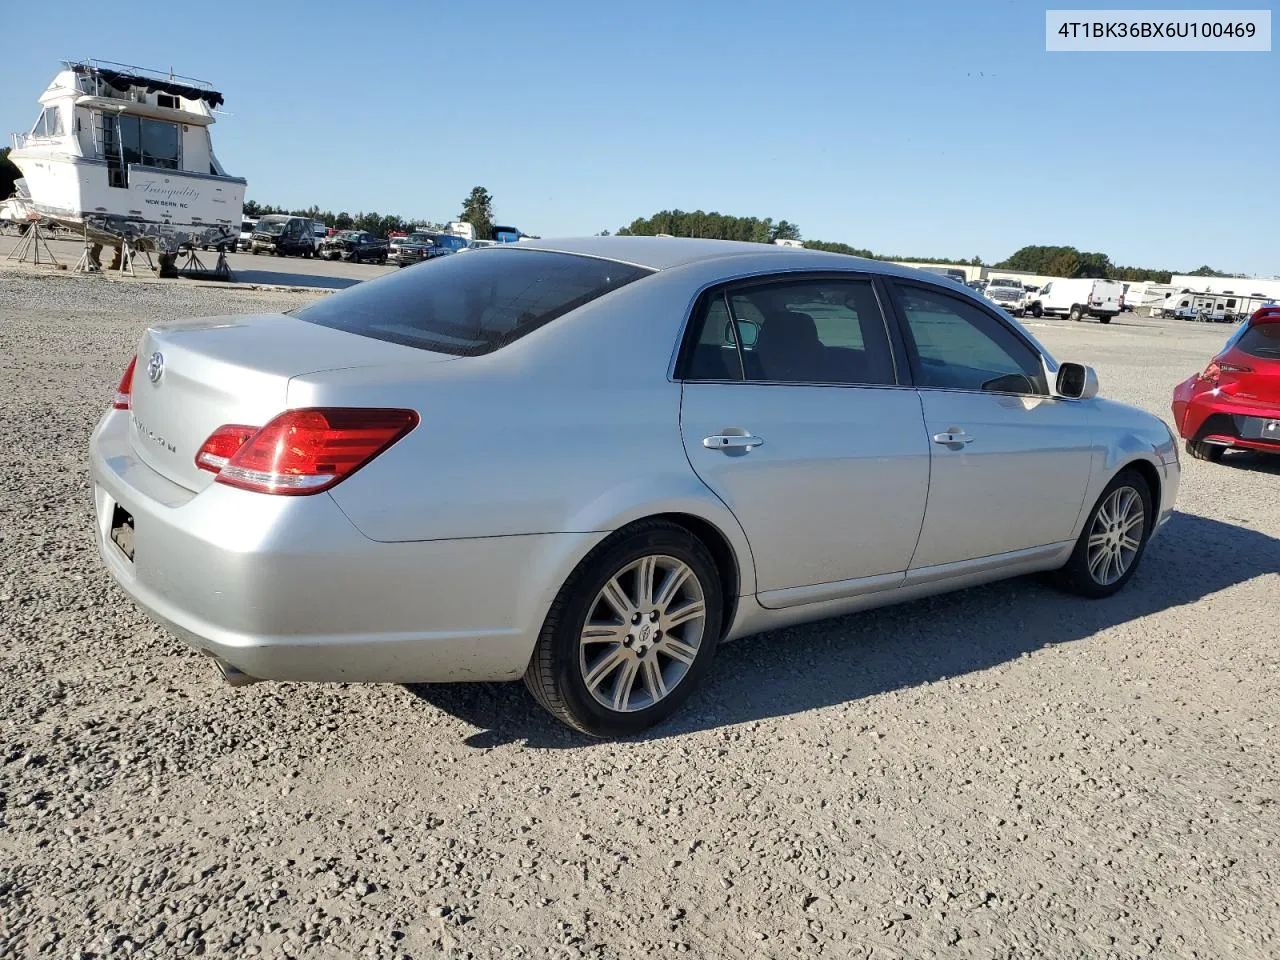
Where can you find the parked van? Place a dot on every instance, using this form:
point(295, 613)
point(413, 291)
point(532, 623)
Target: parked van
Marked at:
point(1077, 299)
point(284, 236)
point(246, 232)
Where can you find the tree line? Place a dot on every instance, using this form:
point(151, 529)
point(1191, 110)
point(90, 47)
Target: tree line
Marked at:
point(1049, 261)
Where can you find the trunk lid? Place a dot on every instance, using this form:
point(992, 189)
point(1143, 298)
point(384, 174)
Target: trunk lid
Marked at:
point(193, 377)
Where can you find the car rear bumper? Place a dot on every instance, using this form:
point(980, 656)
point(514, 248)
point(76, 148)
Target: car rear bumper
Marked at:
point(286, 588)
point(1210, 416)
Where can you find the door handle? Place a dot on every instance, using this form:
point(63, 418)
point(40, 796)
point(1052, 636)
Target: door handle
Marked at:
point(731, 442)
point(952, 437)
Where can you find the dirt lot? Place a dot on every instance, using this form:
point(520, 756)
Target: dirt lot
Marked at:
point(1005, 772)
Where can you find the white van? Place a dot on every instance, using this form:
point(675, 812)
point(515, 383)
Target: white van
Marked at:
point(1076, 299)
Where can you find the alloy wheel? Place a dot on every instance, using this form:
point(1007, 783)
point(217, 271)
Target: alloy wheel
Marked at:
point(1115, 535)
point(642, 633)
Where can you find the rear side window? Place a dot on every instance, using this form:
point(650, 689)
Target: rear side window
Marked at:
point(809, 331)
point(1260, 340)
point(469, 306)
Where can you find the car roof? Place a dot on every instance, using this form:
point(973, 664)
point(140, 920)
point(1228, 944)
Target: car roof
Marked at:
point(664, 253)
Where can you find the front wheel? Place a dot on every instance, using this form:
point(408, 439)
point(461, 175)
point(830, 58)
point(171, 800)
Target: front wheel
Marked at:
point(1106, 318)
point(630, 633)
point(1113, 540)
point(1037, 311)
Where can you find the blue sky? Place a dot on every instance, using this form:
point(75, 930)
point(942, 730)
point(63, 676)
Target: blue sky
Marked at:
point(921, 128)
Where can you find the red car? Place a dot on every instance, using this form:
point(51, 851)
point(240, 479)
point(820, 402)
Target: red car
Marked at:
point(1235, 403)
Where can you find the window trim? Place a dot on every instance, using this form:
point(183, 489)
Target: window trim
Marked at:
point(913, 357)
point(724, 288)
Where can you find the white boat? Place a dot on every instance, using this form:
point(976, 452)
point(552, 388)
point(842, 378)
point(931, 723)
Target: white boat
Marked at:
point(119, 152)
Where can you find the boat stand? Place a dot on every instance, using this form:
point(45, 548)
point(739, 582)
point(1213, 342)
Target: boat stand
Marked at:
point(193, 267)
point(88, 262)
point(128, 253)
point(30, 245)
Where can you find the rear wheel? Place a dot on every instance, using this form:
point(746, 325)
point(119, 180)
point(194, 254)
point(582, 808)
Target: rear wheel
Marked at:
point(1205, 451)
point(1075, 313)
point(630, 633)
point(1113, 540)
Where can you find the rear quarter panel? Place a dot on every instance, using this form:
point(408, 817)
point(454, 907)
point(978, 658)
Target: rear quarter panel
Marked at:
point(574, 428)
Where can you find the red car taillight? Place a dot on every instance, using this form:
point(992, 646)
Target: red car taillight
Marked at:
point(223, 444)
point(124, 392)
point(303, 451)
point(1216, 368)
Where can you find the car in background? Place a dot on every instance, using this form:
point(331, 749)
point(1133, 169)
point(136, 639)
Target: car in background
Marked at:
point(1007, 293)
point(321, 232)
point(1235, 402)
point(246, 232)
point(414, 248)
point(283, 235)
point(790, 436)
point(355, 246)
point(1076, 299)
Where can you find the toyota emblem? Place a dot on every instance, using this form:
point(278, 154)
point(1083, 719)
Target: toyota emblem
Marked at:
point(155, 367)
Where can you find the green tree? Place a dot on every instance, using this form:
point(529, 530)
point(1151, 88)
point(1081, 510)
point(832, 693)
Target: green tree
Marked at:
point(477, 210)
point(9, 174)
point(785, 230)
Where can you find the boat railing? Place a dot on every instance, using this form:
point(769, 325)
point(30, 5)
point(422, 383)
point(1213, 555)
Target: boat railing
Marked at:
point(19, 140)
point(145, 73)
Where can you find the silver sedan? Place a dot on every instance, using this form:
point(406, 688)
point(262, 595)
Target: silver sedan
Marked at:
point(586, 463)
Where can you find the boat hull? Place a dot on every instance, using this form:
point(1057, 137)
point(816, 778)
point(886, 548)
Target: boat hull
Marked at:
point(159, 209)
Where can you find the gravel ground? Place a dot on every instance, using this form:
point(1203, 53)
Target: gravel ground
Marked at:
point(1003, 772)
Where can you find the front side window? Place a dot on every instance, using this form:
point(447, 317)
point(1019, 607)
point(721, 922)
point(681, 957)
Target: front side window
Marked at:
point(469, 306)
point(808, 331)
point(959, 346)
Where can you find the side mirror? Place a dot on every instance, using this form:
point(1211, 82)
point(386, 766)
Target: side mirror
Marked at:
point(749, 330)
point(1076, 381)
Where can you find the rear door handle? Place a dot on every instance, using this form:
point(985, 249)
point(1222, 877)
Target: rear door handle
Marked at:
point(952, 437)
point(731, 441)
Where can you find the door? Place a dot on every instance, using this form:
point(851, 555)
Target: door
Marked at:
point(792, 414)
point(1010, 463)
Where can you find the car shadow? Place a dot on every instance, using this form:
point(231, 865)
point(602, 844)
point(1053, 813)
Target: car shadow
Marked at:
point(315, 281)
point(796, 669)
point(1254, 462)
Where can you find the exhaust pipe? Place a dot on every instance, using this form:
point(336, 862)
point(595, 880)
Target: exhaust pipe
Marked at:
point(234, 676)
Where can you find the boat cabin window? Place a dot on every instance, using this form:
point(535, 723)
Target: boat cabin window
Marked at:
point(49, 123)
point(152, 143)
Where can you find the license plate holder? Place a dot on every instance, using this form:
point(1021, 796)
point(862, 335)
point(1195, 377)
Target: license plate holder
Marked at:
point(122, 531)
point(1261, 428)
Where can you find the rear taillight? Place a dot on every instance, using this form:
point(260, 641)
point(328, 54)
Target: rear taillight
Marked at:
point(124, 392)
point(1216, 369)
point(304, 451)
point(223, 444)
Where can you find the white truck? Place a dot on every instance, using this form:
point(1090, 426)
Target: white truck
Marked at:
point(1077, 299)
point(1006, 292)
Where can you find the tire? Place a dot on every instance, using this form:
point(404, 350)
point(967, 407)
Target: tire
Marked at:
point(1037, 311)
point(1075, 313)
point(1095, 580)
point(1106, 318)
point(1205, 451)
point(561, 665)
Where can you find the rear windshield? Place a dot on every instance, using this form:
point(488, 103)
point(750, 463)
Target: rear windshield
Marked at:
point(1261, 340)
point(470, 305)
